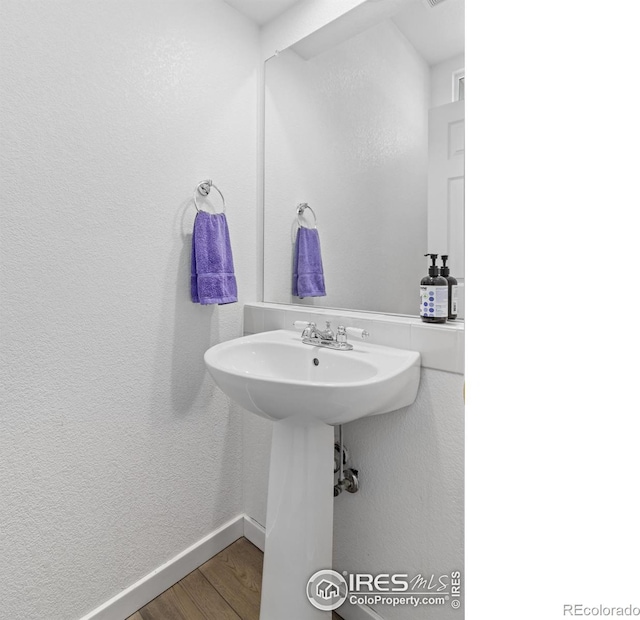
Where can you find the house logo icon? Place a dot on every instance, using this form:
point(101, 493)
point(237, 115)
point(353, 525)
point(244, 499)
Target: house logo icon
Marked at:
point(327, 590)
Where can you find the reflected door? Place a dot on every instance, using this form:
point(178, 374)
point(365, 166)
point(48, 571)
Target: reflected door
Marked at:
point(445, 221)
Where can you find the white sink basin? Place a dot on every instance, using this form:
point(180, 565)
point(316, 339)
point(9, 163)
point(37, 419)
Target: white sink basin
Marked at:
point(305, 389)
point(274, 375)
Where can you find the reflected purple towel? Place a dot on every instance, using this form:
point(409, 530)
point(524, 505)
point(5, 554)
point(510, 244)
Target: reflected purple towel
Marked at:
point(308, 275)
point(213, 280)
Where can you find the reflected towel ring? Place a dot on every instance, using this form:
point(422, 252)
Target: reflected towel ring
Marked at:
point(203, 188)
point(300, 210)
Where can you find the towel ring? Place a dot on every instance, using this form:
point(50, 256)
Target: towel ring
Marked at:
point(203, 188)
point(300, 210)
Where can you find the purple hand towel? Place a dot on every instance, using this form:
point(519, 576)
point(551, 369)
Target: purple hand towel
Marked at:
point(213, 280)
point(308, 275)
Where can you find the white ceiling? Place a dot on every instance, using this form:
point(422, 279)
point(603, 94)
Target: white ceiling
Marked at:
point(261, 11)
point(436, 32)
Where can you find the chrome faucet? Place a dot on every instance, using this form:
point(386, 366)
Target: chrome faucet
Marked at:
point(326, 337)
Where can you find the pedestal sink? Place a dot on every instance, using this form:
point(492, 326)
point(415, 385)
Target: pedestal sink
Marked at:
point(305, 389)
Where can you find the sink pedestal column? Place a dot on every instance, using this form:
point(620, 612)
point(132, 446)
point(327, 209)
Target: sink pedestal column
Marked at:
point(299, 532)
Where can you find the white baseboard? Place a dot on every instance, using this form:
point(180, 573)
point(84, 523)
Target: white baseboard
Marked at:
point(254, 532)
point(156, 582)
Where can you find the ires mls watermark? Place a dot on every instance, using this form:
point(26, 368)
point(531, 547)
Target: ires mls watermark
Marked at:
point(600, 610)
point(327, 589)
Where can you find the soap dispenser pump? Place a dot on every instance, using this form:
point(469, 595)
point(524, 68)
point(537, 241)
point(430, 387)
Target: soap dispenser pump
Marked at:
point(434, 295)
point(453, 288)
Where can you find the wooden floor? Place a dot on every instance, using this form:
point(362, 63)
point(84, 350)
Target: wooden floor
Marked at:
point(227, 587)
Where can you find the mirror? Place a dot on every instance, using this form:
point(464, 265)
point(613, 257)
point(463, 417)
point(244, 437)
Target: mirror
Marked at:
point(364, 122)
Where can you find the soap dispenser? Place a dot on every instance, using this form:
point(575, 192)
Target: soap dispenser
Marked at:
point(453, 288)
point(434, 295)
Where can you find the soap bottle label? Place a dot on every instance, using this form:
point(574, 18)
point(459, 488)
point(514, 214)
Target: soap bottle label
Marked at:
point(434, 301)
point(454, 299)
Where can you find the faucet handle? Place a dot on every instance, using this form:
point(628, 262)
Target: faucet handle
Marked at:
point(341, 335)
point(303, 324)
point(357, 333)
point(306, 327)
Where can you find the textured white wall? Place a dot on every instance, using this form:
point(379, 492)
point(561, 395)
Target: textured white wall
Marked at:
point(408, 516)
point(116, 449)
point(347, 132)
point(441, 80)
